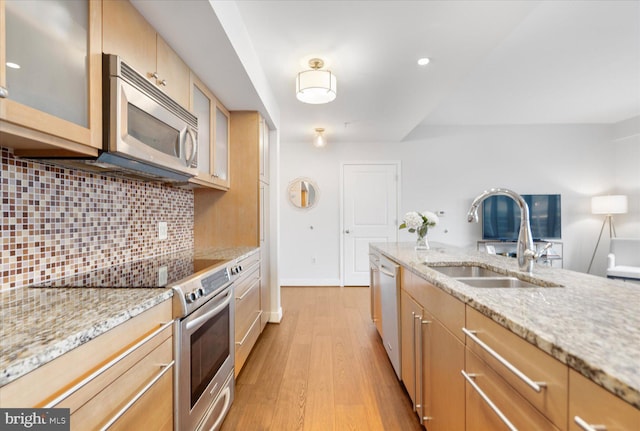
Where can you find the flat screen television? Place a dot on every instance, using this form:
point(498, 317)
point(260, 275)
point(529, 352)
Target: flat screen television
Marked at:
point(501, 217)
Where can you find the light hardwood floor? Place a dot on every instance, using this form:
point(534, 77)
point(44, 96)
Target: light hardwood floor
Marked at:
point(322, 368)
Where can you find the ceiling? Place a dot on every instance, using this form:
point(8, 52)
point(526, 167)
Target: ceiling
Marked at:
point(492, 62)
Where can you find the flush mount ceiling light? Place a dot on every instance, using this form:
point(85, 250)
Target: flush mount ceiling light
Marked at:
point(423, 61)
point(319, 140)
point(316, 86)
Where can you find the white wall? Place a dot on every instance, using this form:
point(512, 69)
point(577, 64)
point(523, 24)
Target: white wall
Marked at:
point(444, 168)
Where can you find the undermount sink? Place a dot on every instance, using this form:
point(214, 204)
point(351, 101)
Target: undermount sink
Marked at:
point(496, 282)
point(477, 276)
point(466, 271)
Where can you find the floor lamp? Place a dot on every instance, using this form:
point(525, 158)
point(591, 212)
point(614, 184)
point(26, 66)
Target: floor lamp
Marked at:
point(607, 205)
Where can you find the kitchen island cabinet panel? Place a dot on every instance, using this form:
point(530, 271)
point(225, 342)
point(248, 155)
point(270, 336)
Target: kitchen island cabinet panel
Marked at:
point(553, 353)
point(432, 357)
point(516, 410)
point(447, 309)
point(593, 405)
point(552, 375)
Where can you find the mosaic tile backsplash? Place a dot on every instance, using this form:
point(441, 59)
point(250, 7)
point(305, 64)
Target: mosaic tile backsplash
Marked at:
point(57, 222)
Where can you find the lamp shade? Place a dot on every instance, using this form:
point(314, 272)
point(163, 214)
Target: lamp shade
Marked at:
point(316, 86)
point(610, 204)
point(319, 140)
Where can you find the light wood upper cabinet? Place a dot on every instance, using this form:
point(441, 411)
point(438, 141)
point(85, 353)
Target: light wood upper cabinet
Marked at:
point(127, 33)
point(50, 96)
point(213, 137)
point(221, 156)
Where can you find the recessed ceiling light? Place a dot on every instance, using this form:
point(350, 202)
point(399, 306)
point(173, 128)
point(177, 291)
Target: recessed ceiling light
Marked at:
point(423, 61)
point(13, 65)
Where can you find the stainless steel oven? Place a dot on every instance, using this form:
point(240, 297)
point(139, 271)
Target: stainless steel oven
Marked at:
point(204, 351)
point(203, 309)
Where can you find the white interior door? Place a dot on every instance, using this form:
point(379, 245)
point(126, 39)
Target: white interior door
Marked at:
point(369, 214)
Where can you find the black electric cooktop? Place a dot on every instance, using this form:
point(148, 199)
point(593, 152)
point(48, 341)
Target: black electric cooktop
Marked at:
point(160, 271)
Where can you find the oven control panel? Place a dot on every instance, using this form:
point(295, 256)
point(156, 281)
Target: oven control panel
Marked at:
point(236, 269)
point(208, 285)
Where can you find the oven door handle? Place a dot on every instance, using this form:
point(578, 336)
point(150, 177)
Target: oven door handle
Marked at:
point(209, 314)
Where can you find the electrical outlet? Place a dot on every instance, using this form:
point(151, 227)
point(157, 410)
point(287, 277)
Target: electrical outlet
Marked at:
point(163, 275)
point(313, 260)
point(163, 230)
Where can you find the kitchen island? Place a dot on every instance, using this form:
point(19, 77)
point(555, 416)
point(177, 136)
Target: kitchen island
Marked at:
point(590, 323)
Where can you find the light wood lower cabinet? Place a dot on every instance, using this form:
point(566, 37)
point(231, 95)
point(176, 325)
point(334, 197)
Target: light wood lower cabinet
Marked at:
point(462, 370)
point(547, 377)
point(123, 378)
point(248, 310)
point(591, 405)
point(493, 405)
point(432, 356)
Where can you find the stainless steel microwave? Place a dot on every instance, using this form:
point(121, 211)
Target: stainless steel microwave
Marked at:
point(144, 129)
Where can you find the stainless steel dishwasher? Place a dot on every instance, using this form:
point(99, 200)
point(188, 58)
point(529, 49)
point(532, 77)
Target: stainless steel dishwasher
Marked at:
point(390, 288)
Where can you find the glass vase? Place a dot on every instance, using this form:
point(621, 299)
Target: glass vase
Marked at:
point(422, 243)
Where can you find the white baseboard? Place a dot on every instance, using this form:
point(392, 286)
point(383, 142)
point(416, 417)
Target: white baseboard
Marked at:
point(310, 282)
point(275, 316)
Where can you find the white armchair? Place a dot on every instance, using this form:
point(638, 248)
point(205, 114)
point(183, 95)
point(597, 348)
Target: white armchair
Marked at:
point(624, 258)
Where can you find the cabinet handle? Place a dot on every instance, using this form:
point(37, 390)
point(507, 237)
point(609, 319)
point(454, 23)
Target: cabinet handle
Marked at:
point(587, 426)
point(469, 378)
point(241, 342)
point(136, 397)
point(536, 386)
point(385, 271)
point(105, 367)
point(163, 83)
point(415, 363)
point(226, 392)
point(240, 298)
point(422, 416)
point(154, 75)
point(4, 93)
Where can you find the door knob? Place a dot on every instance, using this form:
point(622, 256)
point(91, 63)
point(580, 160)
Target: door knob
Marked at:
point(347, 231)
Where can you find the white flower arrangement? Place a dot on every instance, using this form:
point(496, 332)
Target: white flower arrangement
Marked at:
point(419, 222)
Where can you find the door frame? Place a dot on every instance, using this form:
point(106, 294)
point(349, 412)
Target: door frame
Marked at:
point(398, 165)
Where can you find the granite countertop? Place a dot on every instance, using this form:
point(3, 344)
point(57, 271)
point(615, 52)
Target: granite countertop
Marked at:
point(41, 324)
point(592, 323)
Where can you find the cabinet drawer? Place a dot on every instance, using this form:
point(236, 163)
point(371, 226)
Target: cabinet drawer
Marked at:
point(247, 307)
point(247, 279)
point(597, 406)
point(247, 262)
point(115, 396)
point(443, 306)
point(60, 375)
point(245, 344)
point(517, 410)
point(524, 357)
point(159, 400)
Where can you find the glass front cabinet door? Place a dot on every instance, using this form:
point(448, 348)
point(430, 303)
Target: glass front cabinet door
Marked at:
point(213, 137)
point(50, 76)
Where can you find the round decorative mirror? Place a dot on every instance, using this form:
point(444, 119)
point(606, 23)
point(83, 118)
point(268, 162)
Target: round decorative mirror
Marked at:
point(303, 193)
